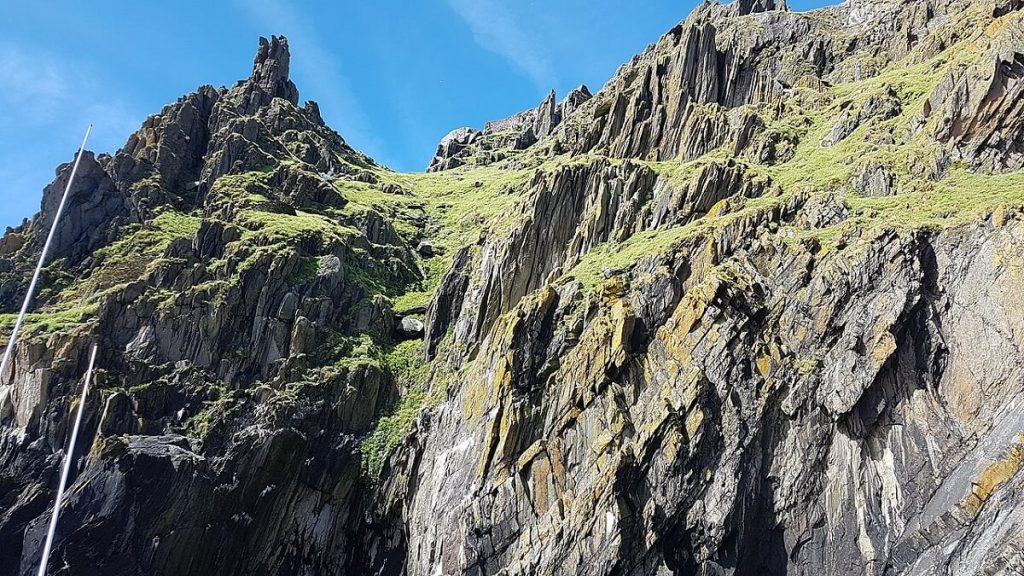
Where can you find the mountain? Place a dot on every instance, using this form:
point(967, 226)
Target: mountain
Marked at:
point(753, 307)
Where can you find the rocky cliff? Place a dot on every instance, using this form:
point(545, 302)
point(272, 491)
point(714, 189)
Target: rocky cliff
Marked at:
point(754, 307)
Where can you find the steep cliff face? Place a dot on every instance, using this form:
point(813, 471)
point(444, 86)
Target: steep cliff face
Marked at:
point(752, 308)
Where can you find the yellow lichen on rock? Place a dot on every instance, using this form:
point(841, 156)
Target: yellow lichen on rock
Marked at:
point(993, 477)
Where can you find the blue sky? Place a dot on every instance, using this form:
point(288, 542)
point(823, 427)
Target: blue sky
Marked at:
point(391, 76)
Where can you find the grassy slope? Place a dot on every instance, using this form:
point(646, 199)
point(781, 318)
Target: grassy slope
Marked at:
point(958, 198)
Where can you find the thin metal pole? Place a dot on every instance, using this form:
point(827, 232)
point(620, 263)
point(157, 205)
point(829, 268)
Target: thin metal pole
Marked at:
point(42, 259)
point(68, 459)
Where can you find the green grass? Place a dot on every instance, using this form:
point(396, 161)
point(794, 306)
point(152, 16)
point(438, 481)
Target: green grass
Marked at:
point(463, 208)
point(130, 258)
point(462, 204)
point(413, 376)
point(246, 191)
point(224, 404)
point(389, 433)
point(960, 198)
point(269, 228)
point(676, 174)
point(616, 256)
point(48, 323)
point(346, 351)
point(435, 268)
point(307, 271)
point(405, 364)
point(138, 251)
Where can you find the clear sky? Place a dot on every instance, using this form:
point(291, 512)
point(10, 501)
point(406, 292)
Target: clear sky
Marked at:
point(391, 76)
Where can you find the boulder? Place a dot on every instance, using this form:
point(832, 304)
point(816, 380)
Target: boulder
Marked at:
point(426, 249)
point(409, 328)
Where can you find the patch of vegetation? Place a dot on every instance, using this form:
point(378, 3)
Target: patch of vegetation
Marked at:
point(614, 256)
point(404, 362)
point(346, 351)
point(958, 197)
point(246, 191)
point(48, 322)
point(961, 197)
point(413, 376)
point(389, 433)
point(434, 269)
point(460, 205)
point(223, 404)
point(676, 174)
point(371, 283)
point(270, 228)
point(466, 201)
point(267, 235)
point(912, 81)
point(139, 250)
point(308, 268)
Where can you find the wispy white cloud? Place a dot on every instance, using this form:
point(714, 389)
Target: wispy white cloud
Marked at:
point(316, 71)
point(39, 90)
point(494, 28)
point(47, 101)
point(30, 84)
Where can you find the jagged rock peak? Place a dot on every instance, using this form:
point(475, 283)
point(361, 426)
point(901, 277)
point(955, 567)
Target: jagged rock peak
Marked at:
point(451, 147)
point(751, 6)
point(744, 7)
point(574, 98)
point(269, 77)
point(516, 132)
point(459, 134)
point(546, 116)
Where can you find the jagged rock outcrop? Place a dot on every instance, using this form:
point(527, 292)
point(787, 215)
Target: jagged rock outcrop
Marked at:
point(977, 107)
point(269, 78)
point(94, 209)
point(874, 180)
point(516, 132)
point(215, 270)
point(744, 7)
point(881, 106)
point(452, 148)
point(752, 308)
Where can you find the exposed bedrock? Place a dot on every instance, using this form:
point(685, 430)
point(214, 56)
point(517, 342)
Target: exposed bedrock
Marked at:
point(754, 307)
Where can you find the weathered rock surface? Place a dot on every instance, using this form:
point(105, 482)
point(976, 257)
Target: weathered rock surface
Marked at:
point(517, 132)
point(978, 107)
point(752, 308)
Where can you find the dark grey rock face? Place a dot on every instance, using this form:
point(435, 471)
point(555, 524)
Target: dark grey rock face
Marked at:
point(93, 203)
point(752, 308)
point(269, 78)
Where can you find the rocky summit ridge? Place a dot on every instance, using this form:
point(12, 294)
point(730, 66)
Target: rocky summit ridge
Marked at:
point(753, 307)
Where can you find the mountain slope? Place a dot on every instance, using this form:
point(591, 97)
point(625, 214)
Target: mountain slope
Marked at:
point(751, 308)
